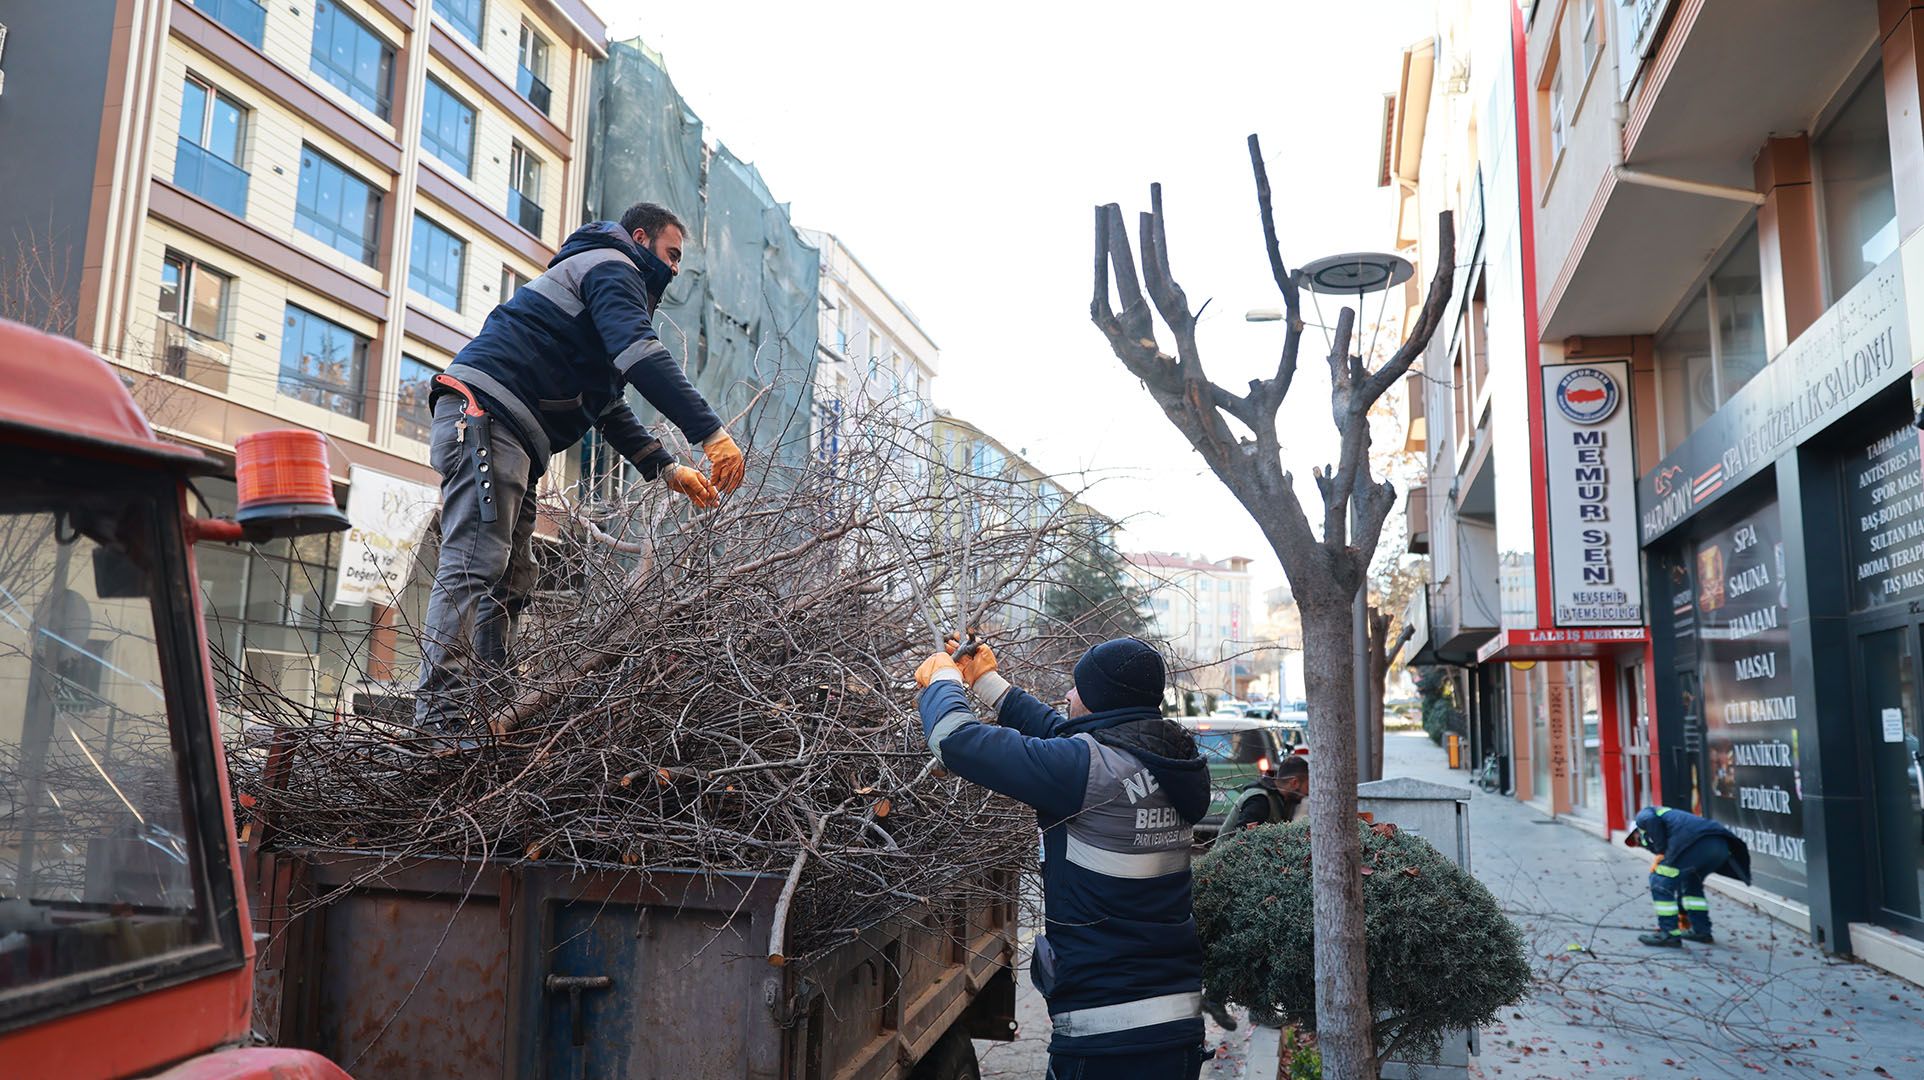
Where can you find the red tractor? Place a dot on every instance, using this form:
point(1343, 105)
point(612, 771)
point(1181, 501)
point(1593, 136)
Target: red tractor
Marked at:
point(125, 944)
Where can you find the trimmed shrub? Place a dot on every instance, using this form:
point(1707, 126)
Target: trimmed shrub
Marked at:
point(1441, 953)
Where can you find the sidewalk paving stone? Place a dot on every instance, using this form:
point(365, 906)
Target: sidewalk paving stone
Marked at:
point(1762, 1001)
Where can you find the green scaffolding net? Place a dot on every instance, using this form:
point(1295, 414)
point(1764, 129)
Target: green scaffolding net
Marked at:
point(741, 314)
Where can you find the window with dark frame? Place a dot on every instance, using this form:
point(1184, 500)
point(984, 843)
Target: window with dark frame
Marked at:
point(412, 419)
point(352, 57)
point(531, 72)
point(524, 189)
point(1851, 160)
point(194, 295)
point(435, 261)
point(323, 363)
point(1558, 118)
point(1715, 346)
point(464, 15)
point(336, 207)
point(247, 19)
point(213, 134)
point(447, 126)
point(1589, 32)
point(511, 282)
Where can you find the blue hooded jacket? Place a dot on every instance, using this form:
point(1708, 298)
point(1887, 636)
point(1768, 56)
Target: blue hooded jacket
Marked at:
point(1671, 833)
point(552, 359)
point(1116, 794)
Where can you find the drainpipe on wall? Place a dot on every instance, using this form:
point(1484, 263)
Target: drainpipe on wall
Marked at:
point(1624, 174)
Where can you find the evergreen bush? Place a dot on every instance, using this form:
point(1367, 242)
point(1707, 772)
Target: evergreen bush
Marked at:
point(1441, 953)
point(1439, 709)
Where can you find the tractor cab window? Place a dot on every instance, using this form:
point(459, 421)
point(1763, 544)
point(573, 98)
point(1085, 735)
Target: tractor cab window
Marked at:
point(101, 879)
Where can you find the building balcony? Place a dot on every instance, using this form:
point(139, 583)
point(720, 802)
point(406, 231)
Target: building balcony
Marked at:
point(213, 178)
point(247, 19)
point(529, 86)
point(524, 212)
point(1701, 112)
point(1416, 507)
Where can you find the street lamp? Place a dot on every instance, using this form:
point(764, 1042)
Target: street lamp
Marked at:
point(1361, 273)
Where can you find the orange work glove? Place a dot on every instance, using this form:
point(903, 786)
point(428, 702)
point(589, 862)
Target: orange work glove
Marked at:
point(976, 664)
point(937, 663)
point(689, 482)
point(725, 466)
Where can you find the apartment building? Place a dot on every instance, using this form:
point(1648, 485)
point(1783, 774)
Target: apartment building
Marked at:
point(872, 355)
point(983, 485)
point(295, 214)
point(1725, 202)
point(1201, 610)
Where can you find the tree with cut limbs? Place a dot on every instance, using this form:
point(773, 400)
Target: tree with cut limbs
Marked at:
point(1324, 573)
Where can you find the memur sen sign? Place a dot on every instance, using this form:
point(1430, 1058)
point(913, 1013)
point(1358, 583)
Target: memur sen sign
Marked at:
point(1857, 348)
point(1595, 572)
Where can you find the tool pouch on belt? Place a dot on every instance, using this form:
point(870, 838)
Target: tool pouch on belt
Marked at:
point(478, 440)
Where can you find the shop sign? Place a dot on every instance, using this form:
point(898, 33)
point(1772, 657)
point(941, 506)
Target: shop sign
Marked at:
point(1884, 491)
point(1561, 644)
point(1749, 705)
point(1858, 347)
point(386, 517)
point(1595, 569)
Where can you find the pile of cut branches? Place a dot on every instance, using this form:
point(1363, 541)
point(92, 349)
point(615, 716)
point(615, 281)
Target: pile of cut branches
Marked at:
point(721, 690)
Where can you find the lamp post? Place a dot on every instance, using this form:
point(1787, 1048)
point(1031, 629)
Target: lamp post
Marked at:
point(1359, 273)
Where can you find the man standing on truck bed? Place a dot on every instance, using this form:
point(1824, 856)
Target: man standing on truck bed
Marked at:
point(550, 363)
point(1116, 788)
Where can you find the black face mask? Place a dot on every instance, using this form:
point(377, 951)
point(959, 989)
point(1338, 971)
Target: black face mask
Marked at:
point(655, 274)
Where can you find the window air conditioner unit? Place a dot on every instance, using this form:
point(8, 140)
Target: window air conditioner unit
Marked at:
point(187, 355)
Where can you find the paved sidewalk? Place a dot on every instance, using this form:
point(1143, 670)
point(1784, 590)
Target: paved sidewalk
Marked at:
point(1760, 1002)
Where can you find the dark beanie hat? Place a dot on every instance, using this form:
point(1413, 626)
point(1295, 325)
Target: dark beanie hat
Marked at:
point(1119, 674)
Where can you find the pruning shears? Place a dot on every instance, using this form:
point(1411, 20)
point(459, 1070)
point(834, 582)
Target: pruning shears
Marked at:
point(968, 646)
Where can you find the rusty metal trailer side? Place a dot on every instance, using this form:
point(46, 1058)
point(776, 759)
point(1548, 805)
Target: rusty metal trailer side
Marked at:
point(526, 971)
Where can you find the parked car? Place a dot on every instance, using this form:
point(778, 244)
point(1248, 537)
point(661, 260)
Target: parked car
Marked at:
point(1238, 750)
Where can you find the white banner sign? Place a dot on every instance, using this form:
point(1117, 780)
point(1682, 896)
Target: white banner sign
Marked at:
point(1596, 576)
point(387, 517)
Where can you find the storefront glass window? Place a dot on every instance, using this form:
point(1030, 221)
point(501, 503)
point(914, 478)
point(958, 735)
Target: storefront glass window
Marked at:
point(1539, 733)
point(1737, 300)
point(1853, 160)
point(1742, 610)
point(279, 645)
point(1586, 788)
point(1892, 714)
point(1686, 376)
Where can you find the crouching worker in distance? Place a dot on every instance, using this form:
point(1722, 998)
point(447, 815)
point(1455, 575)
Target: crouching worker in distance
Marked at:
point(1688, 849)
point(1116, 789)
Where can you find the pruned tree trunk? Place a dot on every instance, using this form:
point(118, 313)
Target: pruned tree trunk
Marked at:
point(1383, 654)
point(1324, 571)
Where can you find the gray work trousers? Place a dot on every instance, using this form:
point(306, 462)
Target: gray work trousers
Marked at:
point(486, 573)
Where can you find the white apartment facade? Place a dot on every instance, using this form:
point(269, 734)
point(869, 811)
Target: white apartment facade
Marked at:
point(1201, 610)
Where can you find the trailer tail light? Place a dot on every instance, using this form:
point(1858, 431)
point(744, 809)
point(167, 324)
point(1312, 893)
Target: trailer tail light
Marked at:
point(1262, 764)
point(284, 485)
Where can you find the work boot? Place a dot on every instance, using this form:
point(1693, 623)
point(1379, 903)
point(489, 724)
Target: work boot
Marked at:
point(1702, 936)
point(1662, 939)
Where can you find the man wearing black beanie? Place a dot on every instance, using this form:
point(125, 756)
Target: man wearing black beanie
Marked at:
point(1117, 789)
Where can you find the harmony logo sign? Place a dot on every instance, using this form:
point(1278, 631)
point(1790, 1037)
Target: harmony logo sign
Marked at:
point(1587, 395)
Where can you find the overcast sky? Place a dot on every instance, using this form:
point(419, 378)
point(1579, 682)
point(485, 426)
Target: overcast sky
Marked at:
point(958, 149)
